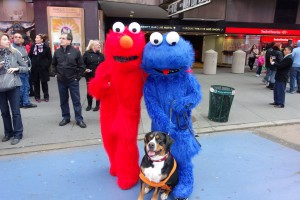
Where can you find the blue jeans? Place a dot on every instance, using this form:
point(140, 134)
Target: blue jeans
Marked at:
point(272, 76)
point(279, 93)
point(24, 89)
point(13, 126)
point(294, 76)
point(63, 89)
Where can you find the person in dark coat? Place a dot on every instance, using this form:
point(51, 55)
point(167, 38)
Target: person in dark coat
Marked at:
point(92, 58)
point(277, 55)
point(41, 59)
point(282, 67)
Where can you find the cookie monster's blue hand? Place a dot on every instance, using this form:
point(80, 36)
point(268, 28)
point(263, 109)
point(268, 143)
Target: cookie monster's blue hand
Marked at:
point(192, 98)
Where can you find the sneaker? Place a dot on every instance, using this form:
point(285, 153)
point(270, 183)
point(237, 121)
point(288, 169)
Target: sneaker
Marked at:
point(257, 75)
point(30, 106)
point(15, 141)
point(279, 106)
point(291, 92)
point(38, 100)
point(46, 100)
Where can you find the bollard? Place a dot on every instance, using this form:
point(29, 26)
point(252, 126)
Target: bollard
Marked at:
point(210, 62)
point(238, 62)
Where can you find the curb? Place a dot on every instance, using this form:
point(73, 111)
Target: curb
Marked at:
point(82, 143)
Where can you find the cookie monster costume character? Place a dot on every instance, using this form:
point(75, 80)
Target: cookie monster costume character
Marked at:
point(170, 93)
point(118, 84)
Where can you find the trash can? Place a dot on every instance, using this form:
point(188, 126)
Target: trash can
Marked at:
point(220, 100)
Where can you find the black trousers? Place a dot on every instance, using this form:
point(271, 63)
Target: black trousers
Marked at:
point(37, 90)
point(89, 97)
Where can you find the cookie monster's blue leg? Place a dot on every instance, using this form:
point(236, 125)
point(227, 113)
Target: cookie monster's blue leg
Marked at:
point(184, 149)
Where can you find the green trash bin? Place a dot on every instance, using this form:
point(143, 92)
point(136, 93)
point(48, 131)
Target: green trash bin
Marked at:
point(220, 100)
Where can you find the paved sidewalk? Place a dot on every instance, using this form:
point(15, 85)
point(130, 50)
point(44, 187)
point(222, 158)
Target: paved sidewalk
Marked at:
point(236, 165)
point(250, 109)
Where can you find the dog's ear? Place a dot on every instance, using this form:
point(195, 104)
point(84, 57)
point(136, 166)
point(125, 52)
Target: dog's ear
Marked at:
point(146, 137)
point(169, 140)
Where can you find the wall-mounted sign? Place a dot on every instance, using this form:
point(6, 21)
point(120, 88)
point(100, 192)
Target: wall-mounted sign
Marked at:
point(66, 20)
point(261, 31)
point(184, 5)
point(182, 28)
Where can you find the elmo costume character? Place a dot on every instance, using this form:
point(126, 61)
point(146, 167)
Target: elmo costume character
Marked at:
point(170, 93)
point(118, 84)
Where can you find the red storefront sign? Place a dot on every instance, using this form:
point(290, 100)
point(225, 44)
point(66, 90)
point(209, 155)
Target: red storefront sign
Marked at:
point(261, 31)
point(280, 39)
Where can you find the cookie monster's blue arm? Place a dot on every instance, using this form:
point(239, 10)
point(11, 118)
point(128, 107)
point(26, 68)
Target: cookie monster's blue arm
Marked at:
point(193, 98)
point(160, 120)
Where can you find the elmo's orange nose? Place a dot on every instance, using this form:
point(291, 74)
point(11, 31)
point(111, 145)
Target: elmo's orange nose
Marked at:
point(126, 42)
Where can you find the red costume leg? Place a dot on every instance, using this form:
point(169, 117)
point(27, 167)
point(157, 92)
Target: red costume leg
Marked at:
point(127, 154)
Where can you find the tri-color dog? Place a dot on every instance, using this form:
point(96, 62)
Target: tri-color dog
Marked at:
point(158, 167)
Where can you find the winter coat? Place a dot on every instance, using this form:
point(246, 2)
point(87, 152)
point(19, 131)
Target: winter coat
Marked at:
point(68, 64)
point(91, 61)
point(278, 57)
point(40, 64)
point(283, 68)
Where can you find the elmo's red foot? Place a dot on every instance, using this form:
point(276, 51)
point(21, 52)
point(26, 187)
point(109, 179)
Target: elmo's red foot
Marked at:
point(126, 183)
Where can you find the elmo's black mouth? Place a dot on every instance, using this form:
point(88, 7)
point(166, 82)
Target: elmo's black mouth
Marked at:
point(125, 59)
point(167, 71)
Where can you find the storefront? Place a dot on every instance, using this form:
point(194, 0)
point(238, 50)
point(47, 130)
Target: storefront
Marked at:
point(245, 38)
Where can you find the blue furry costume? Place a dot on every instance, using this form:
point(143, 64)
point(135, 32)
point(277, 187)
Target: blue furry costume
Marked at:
point(170, 93)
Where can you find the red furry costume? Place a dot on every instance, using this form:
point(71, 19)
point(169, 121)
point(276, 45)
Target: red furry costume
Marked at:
point(118, 84)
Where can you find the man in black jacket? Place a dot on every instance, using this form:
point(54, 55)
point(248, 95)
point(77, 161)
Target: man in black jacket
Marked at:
point(68, 66)
point(281, 76)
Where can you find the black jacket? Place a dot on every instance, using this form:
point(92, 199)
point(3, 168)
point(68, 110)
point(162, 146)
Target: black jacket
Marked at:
point(278, 57)
point(40, 64)
point(68, 64)
point(283, 68)
point(92, 60)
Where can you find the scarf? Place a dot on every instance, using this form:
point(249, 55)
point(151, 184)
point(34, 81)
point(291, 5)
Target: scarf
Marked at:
point(38, 48)
point(4, 52)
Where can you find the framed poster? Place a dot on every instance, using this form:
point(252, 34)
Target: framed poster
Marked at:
point(66, 20)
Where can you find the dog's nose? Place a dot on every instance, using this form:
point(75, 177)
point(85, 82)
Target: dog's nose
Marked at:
point(151, 145)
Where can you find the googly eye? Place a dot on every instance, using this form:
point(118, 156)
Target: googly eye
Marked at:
point(118, 27)
point(134, 28)
point(156, 38)
point(172, 38)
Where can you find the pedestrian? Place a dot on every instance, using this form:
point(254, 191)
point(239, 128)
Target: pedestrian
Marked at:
point(27, 44)
point(266, 79)
point(295, 70)
point(41, 58)
point(260, 63)
point(92, 58)
point(281, 76)
point(25, 87)
point(276, 54)
point(11, 62)
point(252, 56)
point(68, 65)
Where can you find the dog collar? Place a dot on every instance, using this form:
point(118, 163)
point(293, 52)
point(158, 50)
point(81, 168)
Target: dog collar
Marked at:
point(160, 160)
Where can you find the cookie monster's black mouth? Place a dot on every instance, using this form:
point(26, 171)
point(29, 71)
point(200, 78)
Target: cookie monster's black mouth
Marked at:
point(167, 71)
point(125, 59)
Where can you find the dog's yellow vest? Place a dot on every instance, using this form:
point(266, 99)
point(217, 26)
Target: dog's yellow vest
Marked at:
point(162, 184)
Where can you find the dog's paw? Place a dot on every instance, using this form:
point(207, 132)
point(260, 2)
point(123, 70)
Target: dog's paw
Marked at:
point(164, 196)
point(147, 189)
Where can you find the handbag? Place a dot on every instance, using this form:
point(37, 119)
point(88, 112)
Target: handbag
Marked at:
point(7, 82)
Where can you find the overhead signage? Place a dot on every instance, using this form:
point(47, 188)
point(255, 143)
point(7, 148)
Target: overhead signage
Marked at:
point(261, 31)
point(184, 5)
point(181, 28)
